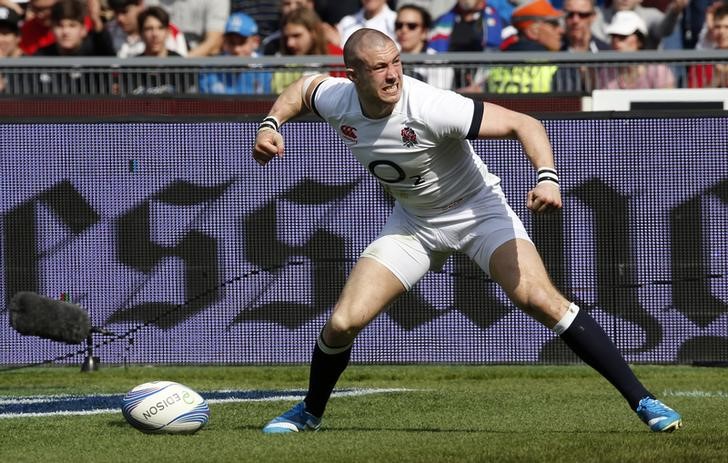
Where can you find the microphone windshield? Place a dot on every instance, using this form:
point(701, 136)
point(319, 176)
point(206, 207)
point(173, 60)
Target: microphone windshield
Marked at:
point(35, 315)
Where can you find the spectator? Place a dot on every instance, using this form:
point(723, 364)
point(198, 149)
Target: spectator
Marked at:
point(659, 24)
point(265, 13)
point(687, 32)
point(241, 39)
point(539, 27)
point(18, 6)
point(272, 43)
point(68, 24)
point(705, 39)
point(9, 33)
point(374, 14)
point(471, 25)
point(9, 44)
point(578, 37)
point(124, 30)
point(35, 31)
point(628, 32)
point(332, 11)
point(436, 8)
point(713, 75)
point(303, 34)
point(411, 28)
point(201, 21)
point(153, 26)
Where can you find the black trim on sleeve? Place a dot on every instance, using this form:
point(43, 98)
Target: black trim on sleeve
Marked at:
point(313, 99)
point(478, 107)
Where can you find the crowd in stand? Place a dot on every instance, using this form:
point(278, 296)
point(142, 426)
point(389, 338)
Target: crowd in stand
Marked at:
point(199, 28)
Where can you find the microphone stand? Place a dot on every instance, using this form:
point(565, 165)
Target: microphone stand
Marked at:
point(91, 362)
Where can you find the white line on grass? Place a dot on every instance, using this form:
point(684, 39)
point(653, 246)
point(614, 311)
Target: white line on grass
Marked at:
point(51, 398)
point(348, 393)
point(62, 413)
point(695, 393)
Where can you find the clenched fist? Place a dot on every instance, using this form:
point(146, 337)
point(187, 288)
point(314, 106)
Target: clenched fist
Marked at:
point(268, 144)
point(544, 197)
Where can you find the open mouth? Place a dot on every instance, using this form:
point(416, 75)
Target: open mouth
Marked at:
point(391, 89)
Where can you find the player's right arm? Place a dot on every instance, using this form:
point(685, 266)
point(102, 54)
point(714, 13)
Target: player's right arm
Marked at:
point(293, 101)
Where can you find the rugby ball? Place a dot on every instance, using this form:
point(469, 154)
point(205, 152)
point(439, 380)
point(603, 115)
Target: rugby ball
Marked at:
point(165, 407)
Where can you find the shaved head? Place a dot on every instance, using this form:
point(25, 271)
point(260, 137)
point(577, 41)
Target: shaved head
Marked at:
point(370, 38)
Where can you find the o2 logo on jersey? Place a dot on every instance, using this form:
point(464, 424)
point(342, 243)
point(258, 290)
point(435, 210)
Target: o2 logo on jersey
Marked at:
point(349, 133)
point(409, 137)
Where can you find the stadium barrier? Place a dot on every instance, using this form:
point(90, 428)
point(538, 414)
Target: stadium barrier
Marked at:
point(174, 239)
point(490, 73)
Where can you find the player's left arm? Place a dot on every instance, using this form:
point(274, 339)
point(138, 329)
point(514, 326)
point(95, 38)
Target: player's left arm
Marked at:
point(499, 122)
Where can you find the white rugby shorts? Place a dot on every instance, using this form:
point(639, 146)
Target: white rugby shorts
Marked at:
point(409, 245)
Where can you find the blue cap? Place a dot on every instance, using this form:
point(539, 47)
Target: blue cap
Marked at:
point(241, 24)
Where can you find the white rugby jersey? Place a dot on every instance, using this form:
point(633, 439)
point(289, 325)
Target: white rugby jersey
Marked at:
point(419, 153)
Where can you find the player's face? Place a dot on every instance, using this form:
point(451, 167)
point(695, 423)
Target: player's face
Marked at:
point(69, 34)
point(379, 79)
point(154, 35)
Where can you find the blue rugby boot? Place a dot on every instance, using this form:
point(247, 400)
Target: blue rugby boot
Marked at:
point(296, 419)
point(658, 416)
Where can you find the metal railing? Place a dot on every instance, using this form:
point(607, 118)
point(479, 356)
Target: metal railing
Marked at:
point(494, 73)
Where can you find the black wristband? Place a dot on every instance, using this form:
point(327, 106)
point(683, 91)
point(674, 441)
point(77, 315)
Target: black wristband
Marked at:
point(547, 174)
point(269, 122)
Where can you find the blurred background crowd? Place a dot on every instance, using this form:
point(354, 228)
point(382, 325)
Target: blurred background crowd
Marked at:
point(247, 28)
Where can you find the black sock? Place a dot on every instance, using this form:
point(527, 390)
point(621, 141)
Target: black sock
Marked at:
point(325, 371)
point(589, 341)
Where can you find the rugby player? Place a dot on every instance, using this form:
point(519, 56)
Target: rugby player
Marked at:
point(414, 139)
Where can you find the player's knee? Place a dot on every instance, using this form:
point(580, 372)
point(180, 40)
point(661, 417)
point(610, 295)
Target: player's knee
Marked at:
point(537, 297)
point(341, 325)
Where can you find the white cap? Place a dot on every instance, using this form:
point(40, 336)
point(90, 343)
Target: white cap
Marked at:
point(626, 23)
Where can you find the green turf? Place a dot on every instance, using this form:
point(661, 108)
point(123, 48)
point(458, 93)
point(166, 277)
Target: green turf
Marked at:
point(457, 413)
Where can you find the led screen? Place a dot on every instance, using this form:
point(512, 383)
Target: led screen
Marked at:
point(171, 237)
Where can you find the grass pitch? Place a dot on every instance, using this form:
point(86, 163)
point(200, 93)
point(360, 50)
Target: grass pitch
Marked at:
point(451, 414)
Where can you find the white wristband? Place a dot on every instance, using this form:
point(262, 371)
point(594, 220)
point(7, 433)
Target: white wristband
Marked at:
point(547, 174)
point(270, 122)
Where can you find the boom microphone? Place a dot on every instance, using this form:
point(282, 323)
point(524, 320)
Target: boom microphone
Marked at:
point(35, 315)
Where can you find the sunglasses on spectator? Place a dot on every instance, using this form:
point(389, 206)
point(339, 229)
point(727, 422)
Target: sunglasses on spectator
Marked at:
point(580, 14)
point(410, 26)
point(553, 22)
